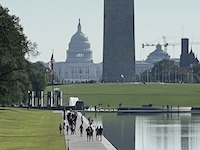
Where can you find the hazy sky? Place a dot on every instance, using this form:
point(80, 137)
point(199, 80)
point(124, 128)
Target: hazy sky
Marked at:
point(51, 24)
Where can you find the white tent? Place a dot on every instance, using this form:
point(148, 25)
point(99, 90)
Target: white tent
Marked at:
point(73, 100)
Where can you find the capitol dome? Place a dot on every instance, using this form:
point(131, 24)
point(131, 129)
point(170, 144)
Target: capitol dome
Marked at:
point(157, 55)
point(79, 47)
point(79, 37)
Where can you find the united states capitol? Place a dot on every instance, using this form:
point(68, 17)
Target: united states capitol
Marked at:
point(79, 65)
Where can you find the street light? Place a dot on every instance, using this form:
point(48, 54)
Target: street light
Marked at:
point(68, 144)
point(150, 75)
point(139, 76)
point(147, 76)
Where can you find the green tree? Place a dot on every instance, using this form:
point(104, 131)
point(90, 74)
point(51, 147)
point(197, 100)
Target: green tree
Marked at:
point(36, 73)
point(14, 46)
point(165, 71)
point(196, 72)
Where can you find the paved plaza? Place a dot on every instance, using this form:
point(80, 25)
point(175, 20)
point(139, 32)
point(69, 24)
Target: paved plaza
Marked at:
point(76, 142)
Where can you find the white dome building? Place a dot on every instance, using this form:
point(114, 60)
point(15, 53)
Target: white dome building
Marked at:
point(157, 55)
point(79, 48)
point(79, 66)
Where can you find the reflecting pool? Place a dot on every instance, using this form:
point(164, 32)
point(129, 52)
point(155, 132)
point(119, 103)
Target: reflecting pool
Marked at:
point(151, 132)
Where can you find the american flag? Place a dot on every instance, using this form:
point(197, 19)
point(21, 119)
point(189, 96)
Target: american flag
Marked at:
point(51, 63)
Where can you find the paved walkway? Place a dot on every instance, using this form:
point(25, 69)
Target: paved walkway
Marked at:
point(76, 142)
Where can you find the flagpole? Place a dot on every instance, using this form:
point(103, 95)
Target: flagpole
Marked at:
point(52, 84)
point(52, 87)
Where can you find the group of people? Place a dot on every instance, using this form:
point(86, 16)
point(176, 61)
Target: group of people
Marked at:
point(99, 133)
point(89, 132)
point(71, 119)
point(98, 130)
point(70, 124)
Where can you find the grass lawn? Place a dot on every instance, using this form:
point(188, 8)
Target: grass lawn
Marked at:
point(22, 129)
point(133, 94)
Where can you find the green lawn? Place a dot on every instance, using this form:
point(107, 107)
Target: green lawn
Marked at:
point(133, 94)
point(22, 129)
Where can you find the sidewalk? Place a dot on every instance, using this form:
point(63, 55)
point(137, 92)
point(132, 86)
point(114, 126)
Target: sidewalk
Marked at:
point(76, 142)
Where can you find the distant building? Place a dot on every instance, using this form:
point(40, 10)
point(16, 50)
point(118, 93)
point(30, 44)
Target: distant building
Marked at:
point(141, 66)
point(79, 66)
point(157, 55)
point(119, 63)
point(187, 59)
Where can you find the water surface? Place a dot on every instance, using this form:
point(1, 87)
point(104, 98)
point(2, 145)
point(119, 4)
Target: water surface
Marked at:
point(151, 132)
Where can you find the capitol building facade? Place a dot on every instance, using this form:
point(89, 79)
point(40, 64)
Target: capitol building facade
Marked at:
point(79, 66)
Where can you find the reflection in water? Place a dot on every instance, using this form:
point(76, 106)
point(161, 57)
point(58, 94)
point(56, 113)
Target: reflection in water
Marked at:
point(97, 121)
point(174, 133)
point(152, 132)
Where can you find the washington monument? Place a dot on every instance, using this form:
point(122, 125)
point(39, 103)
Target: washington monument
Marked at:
point(119, 41)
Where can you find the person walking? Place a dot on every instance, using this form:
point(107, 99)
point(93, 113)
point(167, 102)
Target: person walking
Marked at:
point(60, 128)
point(100, 132)
point(81, 129)
point(63, 126)
point(91, 133)
point(67, 129)
point(82, 119)
point(88, 133)
point(97, 133)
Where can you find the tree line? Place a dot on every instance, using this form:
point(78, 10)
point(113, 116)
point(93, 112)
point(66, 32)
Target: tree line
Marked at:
point(17, 74)
point(168, 72)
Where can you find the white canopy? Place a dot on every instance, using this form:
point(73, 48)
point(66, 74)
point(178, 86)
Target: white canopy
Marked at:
point(73, 100)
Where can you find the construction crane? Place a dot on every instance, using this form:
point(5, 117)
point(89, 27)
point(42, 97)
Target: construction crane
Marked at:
point(165, 44)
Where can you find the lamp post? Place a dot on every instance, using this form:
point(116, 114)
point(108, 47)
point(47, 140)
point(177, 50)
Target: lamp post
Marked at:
point(191, 73)
point(175, 76)
point(147, 76)
point(150, 75)
point(192, 76)
point(139, 77)
point(29, 99)
point(68, 144)
point(88, 74)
